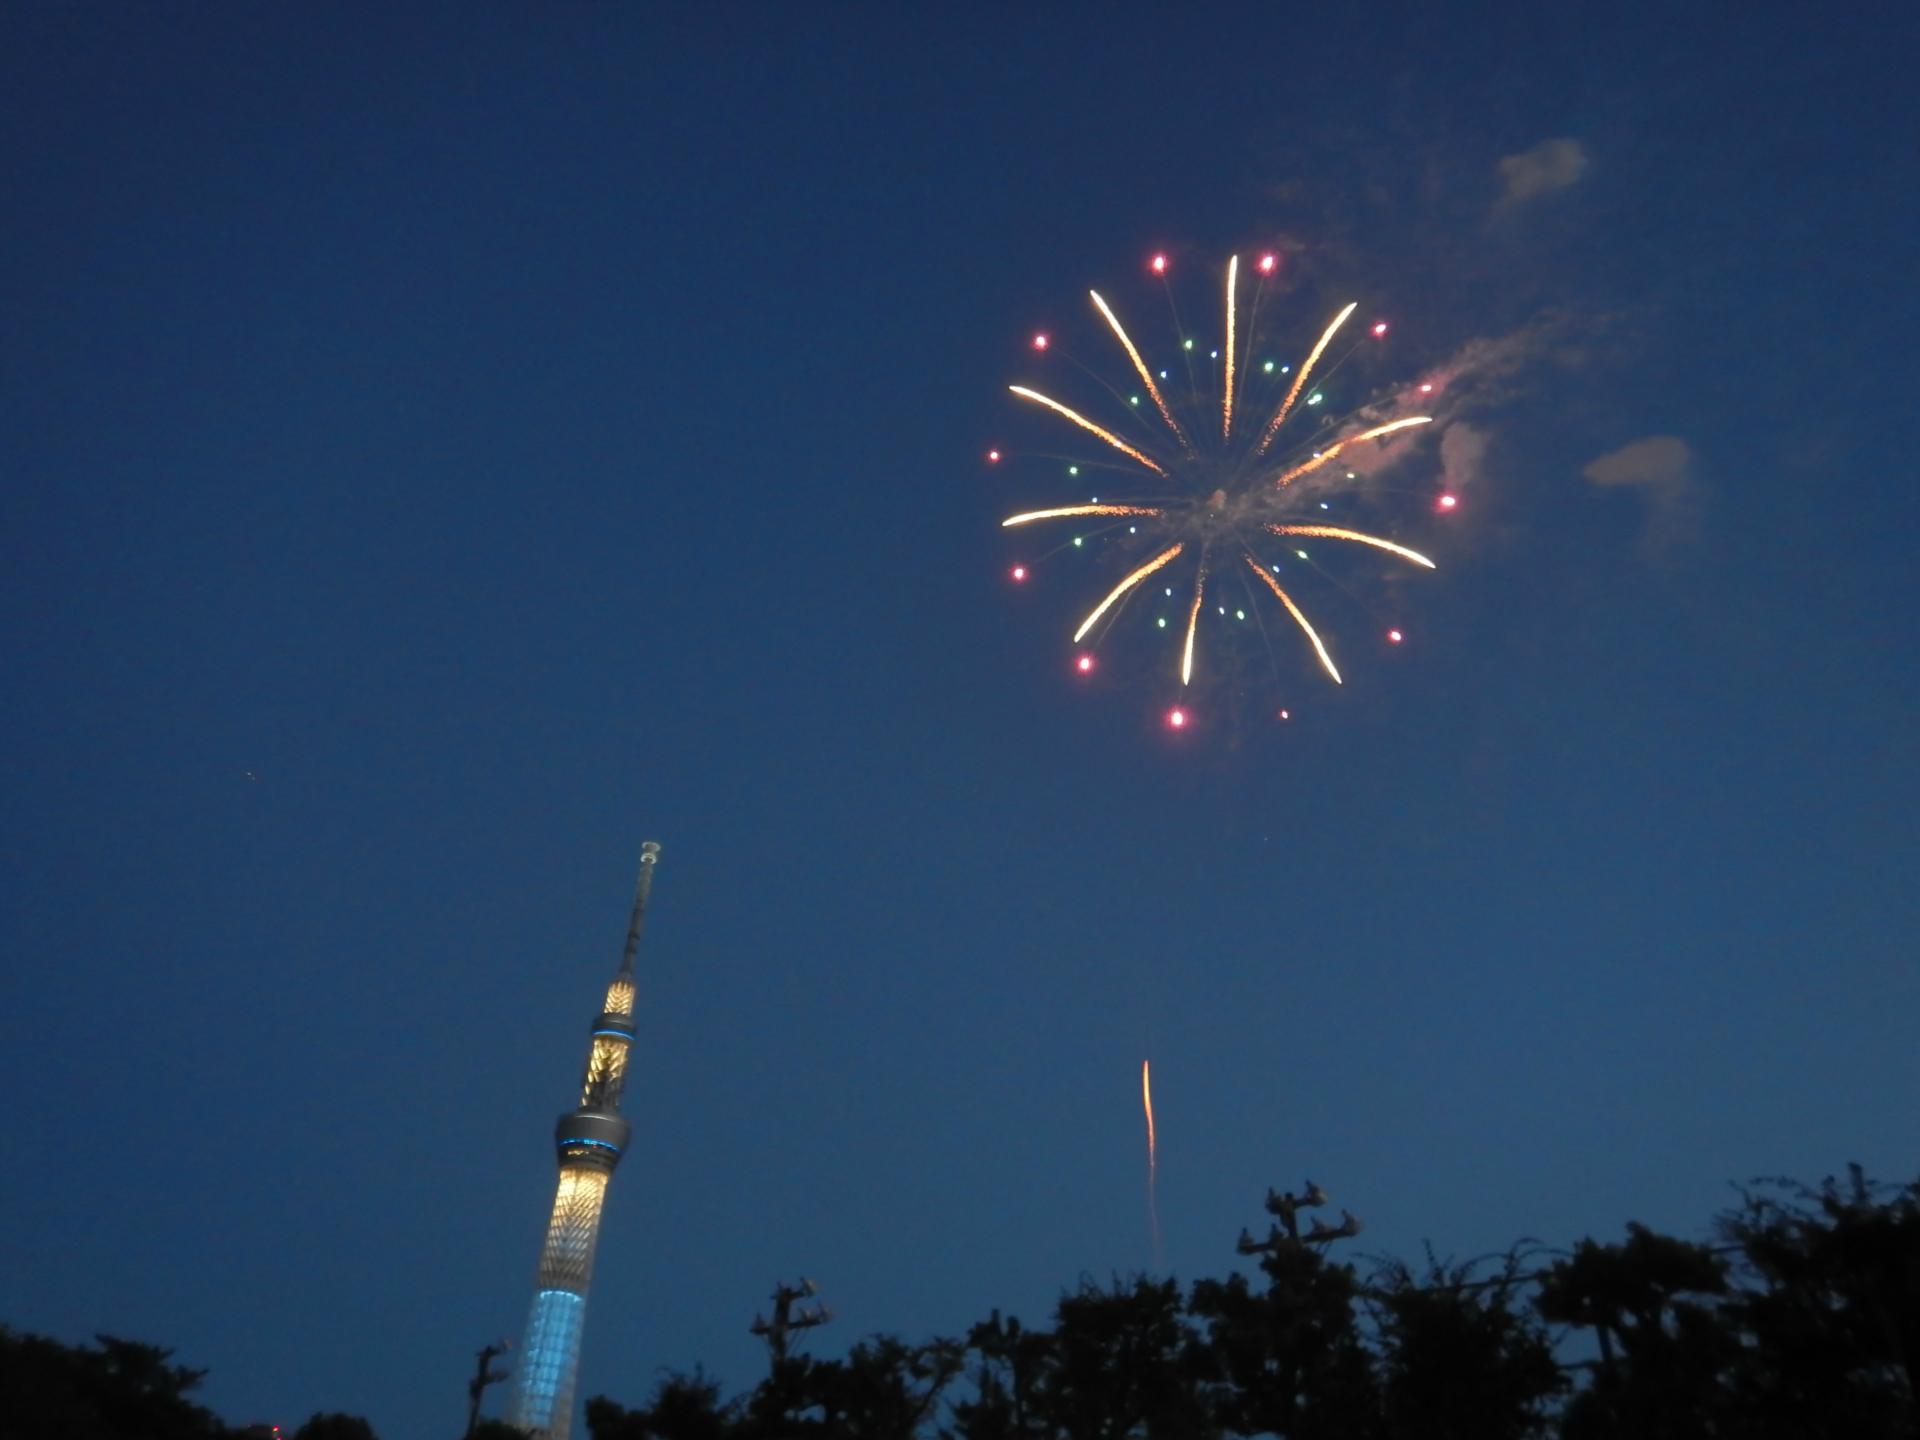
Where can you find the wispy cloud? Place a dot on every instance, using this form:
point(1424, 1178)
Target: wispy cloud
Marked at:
point(1461, 393)
point(1660, 462)
point(1660, 469)
point(1463, 455)
point(1549, 166)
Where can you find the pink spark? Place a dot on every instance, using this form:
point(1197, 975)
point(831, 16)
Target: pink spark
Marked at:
point(1379, 328)
point(1395, 636)
point(1447, 502)
point(1177, 718)
point(1267, 262)
point(1286, 714)
point(1084, 664)
point(993, 457)
point(1159, 264)
point(1040, 341)
point(1427, 389)
point(1019, 572)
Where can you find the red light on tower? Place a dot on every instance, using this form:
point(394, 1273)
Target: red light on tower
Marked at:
point(1158, 264)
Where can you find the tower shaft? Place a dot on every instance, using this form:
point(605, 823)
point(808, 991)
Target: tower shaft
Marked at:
point(589, 1141)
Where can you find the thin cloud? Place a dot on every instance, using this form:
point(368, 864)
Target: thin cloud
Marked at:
point(1463, 456)
point(1479, 378)
point(1660, 469)
point(1549, 166)
point(1660, 461)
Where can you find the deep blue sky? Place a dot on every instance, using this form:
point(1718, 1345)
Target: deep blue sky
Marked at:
point(511, 434)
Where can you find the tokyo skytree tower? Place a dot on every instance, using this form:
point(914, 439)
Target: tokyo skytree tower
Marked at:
point(590, 1139)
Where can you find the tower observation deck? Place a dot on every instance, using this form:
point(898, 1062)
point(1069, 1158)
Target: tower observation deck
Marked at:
point(589, 1139)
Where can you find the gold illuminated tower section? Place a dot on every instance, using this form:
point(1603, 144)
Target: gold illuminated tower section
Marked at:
point(590, 1139)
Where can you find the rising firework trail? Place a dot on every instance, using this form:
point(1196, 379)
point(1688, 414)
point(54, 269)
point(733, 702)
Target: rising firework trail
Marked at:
point(1230, 481)
point(1153, 1164)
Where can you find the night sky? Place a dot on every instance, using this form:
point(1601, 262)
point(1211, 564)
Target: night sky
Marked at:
point(443, 450)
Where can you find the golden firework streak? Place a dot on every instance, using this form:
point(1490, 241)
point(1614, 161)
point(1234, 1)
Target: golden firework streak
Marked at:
point(1066, 510)
point(1226, 399)
point(1334, 449)
point(1294, 610)
point(1193, 620)
point(1140, 366)
point(1286, 405)
point(1333, 532)
point(1125, 585)
point(1085, 424)
point(1153, 1157)
point(1146, 1099)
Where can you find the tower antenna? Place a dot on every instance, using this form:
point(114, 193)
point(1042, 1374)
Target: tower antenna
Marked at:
point(642, 888)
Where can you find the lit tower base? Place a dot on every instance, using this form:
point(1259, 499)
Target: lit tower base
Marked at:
point(590, 1140)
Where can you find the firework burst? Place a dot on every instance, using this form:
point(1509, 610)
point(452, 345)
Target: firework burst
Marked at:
point(1221, 467)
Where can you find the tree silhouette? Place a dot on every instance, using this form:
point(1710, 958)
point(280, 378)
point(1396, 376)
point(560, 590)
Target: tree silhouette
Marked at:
point(1460, 1359)
point(1288, 1360)
point(685, 1406)
point(1664, 1347)
point(1832, 1323)
point(118, 1388)
point(1804, 1324)
point(1125, 1362)
point(1008, 1366)
point(335, 1426)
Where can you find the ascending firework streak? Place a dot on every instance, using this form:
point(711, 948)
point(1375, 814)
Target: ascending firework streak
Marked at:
point(1230, 495)
point(1153, 1163)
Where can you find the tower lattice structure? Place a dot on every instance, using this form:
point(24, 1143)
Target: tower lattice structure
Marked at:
point(589, 1139)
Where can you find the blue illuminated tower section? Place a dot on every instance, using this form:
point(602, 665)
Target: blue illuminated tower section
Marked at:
point(590, 1140)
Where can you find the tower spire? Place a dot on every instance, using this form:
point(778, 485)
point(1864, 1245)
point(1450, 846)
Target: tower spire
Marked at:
point(590, 1140)
point(642, 887)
